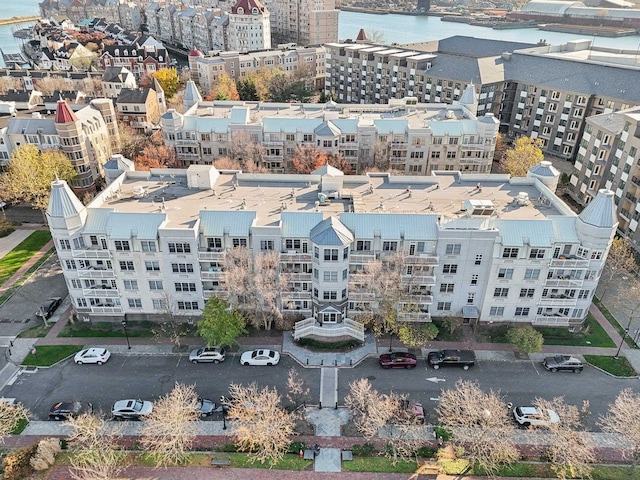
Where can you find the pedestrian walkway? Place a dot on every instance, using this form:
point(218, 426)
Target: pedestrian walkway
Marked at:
point(311, 358)
point(13, 279)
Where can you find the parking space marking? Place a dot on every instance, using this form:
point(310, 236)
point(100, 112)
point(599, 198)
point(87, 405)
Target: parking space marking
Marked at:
point(535, 368)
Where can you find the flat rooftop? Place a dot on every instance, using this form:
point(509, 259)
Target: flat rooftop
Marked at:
point(268, 195)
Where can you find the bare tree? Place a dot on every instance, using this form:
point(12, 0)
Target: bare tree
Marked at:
point(10, 83)
point(297, 390)
point(381, 156)
point(387, 416)
point(11, 414)
point(623, 419)
point(169, 430)
point(50, 85)
point(45, 455)
point(571, 451)
point(96, 455)
point(620, 262)
point(260, 425)
point(480, 424)
point(269, 286)
point(238, 267)
point(249, 153)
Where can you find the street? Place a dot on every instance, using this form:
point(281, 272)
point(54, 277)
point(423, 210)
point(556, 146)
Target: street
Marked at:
point(148, 377)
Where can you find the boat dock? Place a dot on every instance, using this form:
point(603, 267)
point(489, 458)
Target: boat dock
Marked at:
point(12, 20)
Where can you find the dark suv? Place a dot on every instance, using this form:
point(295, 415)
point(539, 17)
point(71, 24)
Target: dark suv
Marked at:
point(563, 362)
point(48, 307)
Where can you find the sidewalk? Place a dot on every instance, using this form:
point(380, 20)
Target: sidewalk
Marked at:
point(11, 281)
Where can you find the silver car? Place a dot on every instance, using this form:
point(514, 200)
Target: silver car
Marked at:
point(207, 354)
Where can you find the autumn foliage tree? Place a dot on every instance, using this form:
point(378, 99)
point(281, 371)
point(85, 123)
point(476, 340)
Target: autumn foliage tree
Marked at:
point(306, 159)
point(225, 89)
point(524, 154)
point(169, 81)
point(260, 425)
point(170, 429)
point(30, 173)
point(11, 415)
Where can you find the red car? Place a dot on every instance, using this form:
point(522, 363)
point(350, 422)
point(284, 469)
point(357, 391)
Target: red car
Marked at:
point(398, 360)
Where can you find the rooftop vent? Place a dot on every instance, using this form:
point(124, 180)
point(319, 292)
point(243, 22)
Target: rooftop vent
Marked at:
point(483, 208)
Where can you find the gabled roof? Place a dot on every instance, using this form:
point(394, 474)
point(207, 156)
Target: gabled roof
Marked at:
point(389, 226)
point(248, 6)
point(331, 232)
point(299, 224)
point(131, 95)
point(64, 113)
point(233, 223)
point(116, 74)
point(327, 129)
point(143, 226)
point(328, 170)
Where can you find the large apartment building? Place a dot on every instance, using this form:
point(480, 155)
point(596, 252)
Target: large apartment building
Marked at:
point(305, 22)
point(404, 136)
point(487, 248)
point(542, 91)
point(206, 70)
point(608, 157)
point(88, 136)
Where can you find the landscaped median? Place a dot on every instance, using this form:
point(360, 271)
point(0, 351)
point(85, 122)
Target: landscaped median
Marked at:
point(618, 367)
point(47, 355)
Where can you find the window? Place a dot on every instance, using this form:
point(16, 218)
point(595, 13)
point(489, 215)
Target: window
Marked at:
point(159, 304)
point(453, 249)
point(330, 276)
point(239, 242)
point(537, 253)
point(78, 243)
point(345, 273)
point(179, 247)
point(532, 274)
point(506, 273)
point(155, 285)
point(315, 293)
point(122, 245)
point(363, 246)
point(470, 297)
point(584, 294)
point(474, 279)
point(389, 246)
point(152, 266)
point(75, 283)
point(331, 254)
point(266, 244)
point(510, 253)
point(478, 259)
point(185, 287)
point(527, 292)
point(182, 267)
point(449, 268)
point(522, 311)
point(344, 293)
point(496, 311)
point(444, 306)
point(290, 244)
point(188, 306)
point(345, 253)
point(70, 264)
point(316, 252)
point(148, 246)
point(329, 295)
point(64, 244)
point(501, 292)
point(596, 255)
point(135, 302)
point(446, 287)
point(131, 285)
point(126, 266)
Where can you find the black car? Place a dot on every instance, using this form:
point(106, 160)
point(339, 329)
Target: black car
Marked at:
point(48, 307)
point(563, 362)
point(64, 410)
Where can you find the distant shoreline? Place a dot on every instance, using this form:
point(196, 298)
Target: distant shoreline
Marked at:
point(12, 20)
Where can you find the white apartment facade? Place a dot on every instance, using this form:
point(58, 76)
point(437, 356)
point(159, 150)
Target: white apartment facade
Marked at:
point(249, 26)
point(412, 138)
point(488, 248)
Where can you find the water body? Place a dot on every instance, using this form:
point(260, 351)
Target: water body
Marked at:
point(395, 28)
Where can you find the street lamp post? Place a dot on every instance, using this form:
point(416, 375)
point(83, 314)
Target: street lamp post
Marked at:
point(126, 334)
point(624, 337)
point(225, 408)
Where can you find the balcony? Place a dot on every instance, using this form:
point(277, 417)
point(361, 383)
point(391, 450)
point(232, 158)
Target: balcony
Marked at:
point(213, 275)
point(95, 273)
point(187, 156)
point(188, 142)
point(419, 279)
point(209, 256)
point(569, 263)
point(219, 292)
point(361, 296)
point(558, 301)
point(474, 147)
point(298, 276)
point(422, 317)
point(295, 257)
point(296, 295)
point(273, 143)
point(106, 310)
point(310, 328)
point(563, 282)
point(551, 320)
point(418, 298)
point(362, 257)
point(91, 253)
point(98, 291)
point(422, 259)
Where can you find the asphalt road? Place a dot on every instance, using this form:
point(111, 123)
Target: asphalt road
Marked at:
point(149, 377)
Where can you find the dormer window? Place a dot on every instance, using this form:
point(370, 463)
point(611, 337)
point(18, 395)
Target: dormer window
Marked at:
point(240, 11)
point(254, 11)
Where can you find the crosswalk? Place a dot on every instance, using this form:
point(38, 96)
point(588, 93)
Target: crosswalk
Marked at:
point(329, 386)
point(5, 341)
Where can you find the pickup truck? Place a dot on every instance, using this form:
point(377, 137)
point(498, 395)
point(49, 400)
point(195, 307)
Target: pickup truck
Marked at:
point(457, 358)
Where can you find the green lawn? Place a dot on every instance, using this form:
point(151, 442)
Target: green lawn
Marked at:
point(107, 329)
point(288, 462)
point(38, 331)
point(48, 355)
point(592, 335)
point(613, 321)
point(619, 367)
point(17, 257)
point(379, 465)
point(543, 470)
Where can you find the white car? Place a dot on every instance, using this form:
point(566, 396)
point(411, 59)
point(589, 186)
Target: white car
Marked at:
point(212, 354)
point(260, 357)
point(131, 409)
point(92, 355)
point(533, 416)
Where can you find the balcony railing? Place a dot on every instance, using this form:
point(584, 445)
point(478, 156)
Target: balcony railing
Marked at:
point(220, 292)
point(309, 327)
point(563, 282)
point(550, 320)
point(95, 273)
point(298, 276)
point(296, 295)
point(106, 310)
point(361, 296)
point(213, 275)
point(208, 256)
point(293, 257)
point(362, 257)
point(569, 263)
point(419, 279)
point(413, 317)
point(418, 298)
point(422, 259)
point(557, 302)
point(100, 292)
point(91, 253)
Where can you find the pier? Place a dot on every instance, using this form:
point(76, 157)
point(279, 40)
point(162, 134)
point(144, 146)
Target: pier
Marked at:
point(12, 20)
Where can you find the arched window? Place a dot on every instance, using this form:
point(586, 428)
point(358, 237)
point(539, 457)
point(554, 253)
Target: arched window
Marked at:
point(240, 11)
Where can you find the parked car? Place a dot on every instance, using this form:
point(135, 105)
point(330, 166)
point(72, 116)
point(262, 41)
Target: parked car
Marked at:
point(48, 307)
point(205, 407)
point(65, 410)
point(207, 354)
point(262, 356)
point(92, 355)
point(533, 416)
point(416, 410)
point(131, 409)
point(456, 358)
point(563, 362)
point(398, 360)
